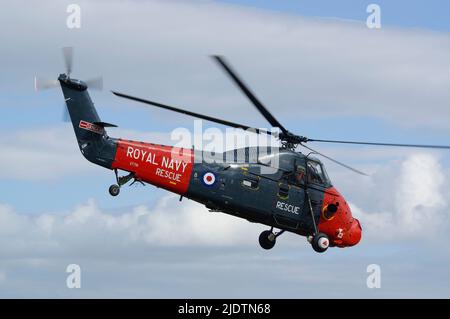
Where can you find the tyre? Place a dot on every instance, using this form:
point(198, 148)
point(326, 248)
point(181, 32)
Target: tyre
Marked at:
point(320, 242)
point(114, 190)
point(267, 239)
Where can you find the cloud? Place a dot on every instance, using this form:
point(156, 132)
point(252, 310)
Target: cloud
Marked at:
point(166, 249)
point(408, 200)
point(314, 67)
point(39, 154)
point(52, 153)
point(91, 231)
point(178, 250)
point(405, 200)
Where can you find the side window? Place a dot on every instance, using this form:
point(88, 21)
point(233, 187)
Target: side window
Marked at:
point(315, 173)
point(297, 176)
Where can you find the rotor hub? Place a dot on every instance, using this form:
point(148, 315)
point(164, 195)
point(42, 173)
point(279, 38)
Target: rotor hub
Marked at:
point(65, 80)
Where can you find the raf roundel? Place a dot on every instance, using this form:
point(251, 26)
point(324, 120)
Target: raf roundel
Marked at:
point(209, 179)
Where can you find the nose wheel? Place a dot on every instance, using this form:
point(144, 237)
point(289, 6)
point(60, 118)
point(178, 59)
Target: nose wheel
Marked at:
point(319, 242)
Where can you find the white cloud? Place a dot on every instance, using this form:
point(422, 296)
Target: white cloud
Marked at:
point(52, 153)
point(145, 251)
point(406, 200)
point(39, 154)
point(91, 231)
point(315, 67)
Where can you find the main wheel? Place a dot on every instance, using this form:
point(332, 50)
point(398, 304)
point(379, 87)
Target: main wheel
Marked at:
point(267, 239)
point(114, 190)
point(320, 242)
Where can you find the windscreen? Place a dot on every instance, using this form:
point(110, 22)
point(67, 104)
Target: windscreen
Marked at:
point(317, 173)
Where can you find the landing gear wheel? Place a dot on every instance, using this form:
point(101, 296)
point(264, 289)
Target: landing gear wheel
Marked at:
point(267, 239)
point(320, 242)
point(114, 190)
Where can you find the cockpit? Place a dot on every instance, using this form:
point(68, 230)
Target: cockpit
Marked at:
point(286, 166)
point(315, 172)
point(308, 171)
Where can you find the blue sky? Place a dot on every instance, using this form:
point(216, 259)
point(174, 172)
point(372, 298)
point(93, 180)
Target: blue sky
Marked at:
point(313, 63)
point(412, 14)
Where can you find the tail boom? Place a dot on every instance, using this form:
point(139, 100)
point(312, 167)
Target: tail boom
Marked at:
point(160, 165)
point(163, 166)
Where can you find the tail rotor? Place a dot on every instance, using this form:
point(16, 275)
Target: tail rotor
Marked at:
point(41, 84)
point(68, 59)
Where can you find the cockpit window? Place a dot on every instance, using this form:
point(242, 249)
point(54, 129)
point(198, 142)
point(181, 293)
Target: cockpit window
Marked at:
point(316, 173)
point(299, 174)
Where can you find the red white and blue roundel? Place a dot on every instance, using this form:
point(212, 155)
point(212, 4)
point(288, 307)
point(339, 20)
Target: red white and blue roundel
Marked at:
point(209, 179)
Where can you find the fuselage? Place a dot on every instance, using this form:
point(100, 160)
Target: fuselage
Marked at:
point(245, 187)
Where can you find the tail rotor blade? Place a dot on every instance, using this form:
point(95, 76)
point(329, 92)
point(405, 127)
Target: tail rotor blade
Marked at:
point(44, 84)
point(95, 83)
point(68, 59)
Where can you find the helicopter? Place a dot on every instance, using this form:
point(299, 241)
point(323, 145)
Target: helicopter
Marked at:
point(280, 187)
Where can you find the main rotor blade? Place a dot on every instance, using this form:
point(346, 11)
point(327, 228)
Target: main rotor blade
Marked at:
point(68, 59)
point(382, 144)
point(335, 161)
point(261, 108)
point(200, 116)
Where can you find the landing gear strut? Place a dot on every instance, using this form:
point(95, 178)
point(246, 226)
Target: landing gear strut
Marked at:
point(268, 238)
point(319, 241)
point(114, 189)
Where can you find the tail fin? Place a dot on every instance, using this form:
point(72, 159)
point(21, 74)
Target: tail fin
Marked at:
point(92, 138)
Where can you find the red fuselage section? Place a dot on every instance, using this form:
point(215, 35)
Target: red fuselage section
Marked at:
point(342, 229)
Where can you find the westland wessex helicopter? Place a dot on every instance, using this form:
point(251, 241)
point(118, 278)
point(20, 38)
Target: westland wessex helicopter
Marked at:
point(296, 195)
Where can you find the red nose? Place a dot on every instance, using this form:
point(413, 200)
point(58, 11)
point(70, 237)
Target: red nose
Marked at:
point(337, 220)
point(354, 233)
